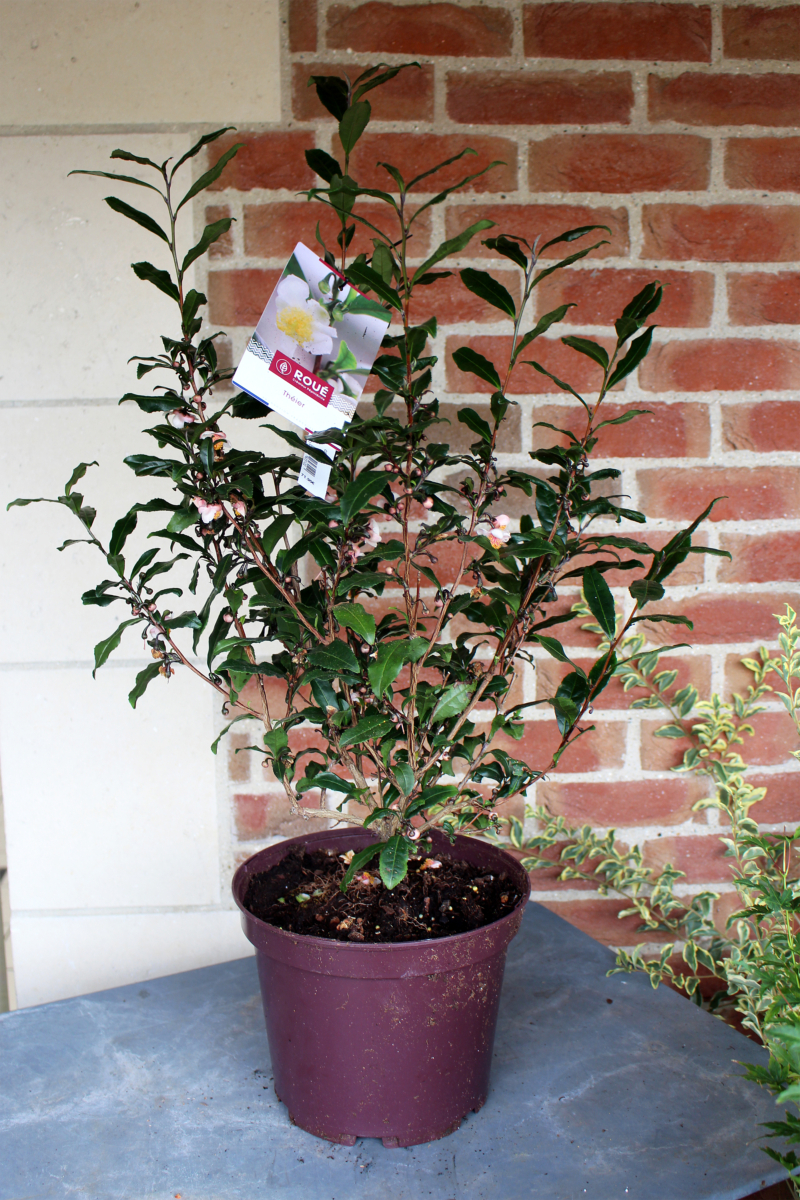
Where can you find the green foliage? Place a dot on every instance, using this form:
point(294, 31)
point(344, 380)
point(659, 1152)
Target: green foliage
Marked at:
point(754, 962)
point(406, 704)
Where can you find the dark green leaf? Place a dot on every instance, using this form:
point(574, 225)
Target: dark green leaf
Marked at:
point(473, 363)
point(542, 325)
point(353, 123)
point(333, 93)
point(322, 164)
point(572, 235)
point(638, 350)
point(197, 147)
point(468, 417)
point(645, 590)
point(391, 658)
point(133, 214)
point(567, 702)
point(358, 493)
point(454, 700)
point(104, 649)
point(482, 284)
point(508, 248)
point(160, 279)
point(598, 596)
point(554, 648)
point(369, 727)
point(142, 680)
point(394, 861)
point(668, 618)
point(210, 234)
point(452, 246)
point(360, 273)
point(590, 349)
point(210, 176)
point(335, 656)
point(77, 474)
point(274, 532)
point(355, 616)
point(122, 531)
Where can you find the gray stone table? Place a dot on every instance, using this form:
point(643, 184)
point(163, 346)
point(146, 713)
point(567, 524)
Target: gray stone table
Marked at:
point(601, 1089)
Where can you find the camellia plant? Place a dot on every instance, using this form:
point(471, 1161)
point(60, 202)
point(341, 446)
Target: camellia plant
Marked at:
point(345, 600)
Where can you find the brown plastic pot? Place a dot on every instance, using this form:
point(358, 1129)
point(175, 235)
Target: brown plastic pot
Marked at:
point(381, 1040)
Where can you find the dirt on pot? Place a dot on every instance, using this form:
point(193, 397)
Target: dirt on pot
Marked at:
point(437, 898)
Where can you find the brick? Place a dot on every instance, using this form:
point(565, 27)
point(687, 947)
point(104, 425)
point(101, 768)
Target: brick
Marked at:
point(600, 296)
point(239, 757)
point(223, 247)
point(701, 858)
point(663, 32)
point(750, 493)
point(407, 97)
point(695, 99)
point(780, 803)
point(722, 232)
point(601, 749)
point(256, 817)
point(694, 669)
point(429, 30)
point(721, 365)
point(302, 25)
point(772, 32)
point(273, 230)
point(746, 618)
point(666, 431)
point(266, 160)
point(545, 221)
point(769, 163)
point(239, 297)
point(621, 802)
point(599, 919)
point(460, 437)
point(620, 162)
point(762, 299)
point(763, 426)
point(564, 362)
point(539, 98)
point(760, 557)
point(452, 304)
point(413, 153)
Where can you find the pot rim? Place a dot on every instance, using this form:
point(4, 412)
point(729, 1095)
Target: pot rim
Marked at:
point(244, 870)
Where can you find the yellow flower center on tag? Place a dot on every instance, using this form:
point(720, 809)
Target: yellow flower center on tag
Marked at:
point(297, 324)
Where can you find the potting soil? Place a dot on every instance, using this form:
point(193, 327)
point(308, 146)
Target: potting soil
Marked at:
point(437, 898)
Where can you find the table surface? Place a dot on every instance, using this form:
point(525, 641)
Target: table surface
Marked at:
point(165, 1087)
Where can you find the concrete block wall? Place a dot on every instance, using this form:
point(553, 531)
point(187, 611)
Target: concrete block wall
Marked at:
point(675, 125)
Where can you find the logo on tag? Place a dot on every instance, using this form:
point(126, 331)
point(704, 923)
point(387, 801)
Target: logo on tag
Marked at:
point(301, 378)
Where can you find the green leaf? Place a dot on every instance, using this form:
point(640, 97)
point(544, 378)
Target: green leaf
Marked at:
point(670, 731)
point(133, 214)
point(275, 531)
point(104, 649)
point(127, 156)
point(353, 124)
point(554, 648)
point(454, 700)
point(644, 590)
point(394, 861)
point(509, 248)
point(590, 349)
point(322, 164)
point(361, 273)
point(371, 726)
point(482, 284)
point(210, 176)
point(160, 279)
point(77, 474)
point(356, 617)
point(565, 387)
point(391, 658)
point(335, 656)
point(470, 361)
point(572, 235)
point(142, 680)
point(405, 777)
point(638, 349)
point(598, 596)
point(359, 860)
point(121, 532)
point(121, 178)
point(196, 148)
point(668, 618)
point(452, 246)
point(468, 417)
point(567, 702)
point(628, 415)
point(210, 234)
point(357, 493)
point(541, 326)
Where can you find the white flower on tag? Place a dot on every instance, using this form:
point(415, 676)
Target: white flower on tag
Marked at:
point(301, 319)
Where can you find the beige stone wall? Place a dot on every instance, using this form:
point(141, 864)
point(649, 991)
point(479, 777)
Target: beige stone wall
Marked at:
point(117, 855)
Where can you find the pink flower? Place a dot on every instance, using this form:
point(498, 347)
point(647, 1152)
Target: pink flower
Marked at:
point(498, 532)
point(180, 417)
point(208, 512)
point(240, 508)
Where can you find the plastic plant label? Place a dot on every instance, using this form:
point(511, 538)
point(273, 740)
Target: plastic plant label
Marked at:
point(313, 347)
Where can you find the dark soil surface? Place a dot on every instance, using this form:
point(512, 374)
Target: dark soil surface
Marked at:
point(438, 897)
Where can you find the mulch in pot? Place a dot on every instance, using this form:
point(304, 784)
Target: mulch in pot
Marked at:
point(438, 898)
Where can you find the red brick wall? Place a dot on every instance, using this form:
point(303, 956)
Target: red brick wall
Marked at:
point(673, 124)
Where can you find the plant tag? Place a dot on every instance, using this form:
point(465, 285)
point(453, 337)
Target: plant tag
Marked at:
point(312, 349)
point(314, 475)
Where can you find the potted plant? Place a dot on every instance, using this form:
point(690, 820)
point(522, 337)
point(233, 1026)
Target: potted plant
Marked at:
point(395, 614)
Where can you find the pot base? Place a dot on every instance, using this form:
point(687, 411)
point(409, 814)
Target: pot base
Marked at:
point(391, 1143)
